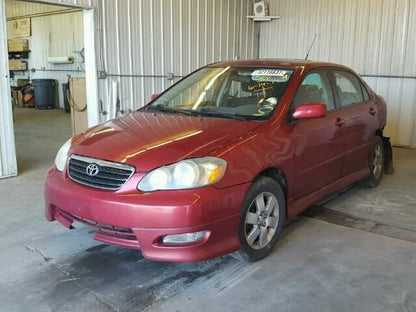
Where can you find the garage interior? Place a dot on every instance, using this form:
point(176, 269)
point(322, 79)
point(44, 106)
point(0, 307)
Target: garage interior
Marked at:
point(353, 251)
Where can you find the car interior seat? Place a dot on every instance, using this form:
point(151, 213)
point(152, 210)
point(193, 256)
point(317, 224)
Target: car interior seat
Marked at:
point(306, 94)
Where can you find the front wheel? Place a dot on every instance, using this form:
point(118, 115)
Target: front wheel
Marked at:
point(262, 218)
point(375, 163)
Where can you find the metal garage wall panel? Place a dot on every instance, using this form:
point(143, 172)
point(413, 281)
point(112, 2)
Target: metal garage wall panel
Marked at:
point(375, 38)
point(352, 32)
point(410, 58)
point(155, 38)
point(8, 165)
point(152, 38)
point(139, 42)
point(401, 123)
point(74, 3)
point(19, 8)
point(27, 7)
point(247, 41)
point(407, 119)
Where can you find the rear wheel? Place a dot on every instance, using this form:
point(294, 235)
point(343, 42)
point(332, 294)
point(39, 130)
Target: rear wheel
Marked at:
point(375, 163)
point(262, 218)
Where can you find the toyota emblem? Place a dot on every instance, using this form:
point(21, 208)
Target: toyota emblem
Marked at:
point(92, 170)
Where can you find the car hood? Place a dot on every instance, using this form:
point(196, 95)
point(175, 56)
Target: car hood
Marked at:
point(149, 140)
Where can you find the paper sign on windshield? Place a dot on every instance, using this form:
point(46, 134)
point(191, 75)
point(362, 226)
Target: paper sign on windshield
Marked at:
point(270, 74)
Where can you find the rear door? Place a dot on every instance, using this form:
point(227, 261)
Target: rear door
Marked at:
point(320, 142)
point(359, 114)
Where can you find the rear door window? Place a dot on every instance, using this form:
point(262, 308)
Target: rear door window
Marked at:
point(349, 88)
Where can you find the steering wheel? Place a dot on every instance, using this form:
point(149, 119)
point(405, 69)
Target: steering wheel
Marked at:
point(266, 105)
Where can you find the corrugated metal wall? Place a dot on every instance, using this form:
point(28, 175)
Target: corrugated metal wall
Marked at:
point(145, 41)
point(19, 8)
point(140, 42)
point(8, 165)
point(374, 37)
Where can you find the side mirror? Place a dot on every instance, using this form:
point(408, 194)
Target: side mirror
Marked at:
point(310, 110)
point(154, 96)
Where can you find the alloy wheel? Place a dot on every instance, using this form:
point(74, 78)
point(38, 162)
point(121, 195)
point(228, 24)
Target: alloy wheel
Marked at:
point(261, 220)
point(377, 161)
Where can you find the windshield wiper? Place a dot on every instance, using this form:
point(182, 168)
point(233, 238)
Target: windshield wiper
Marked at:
point(202, 112)
point(165, 109)
point(212, 113)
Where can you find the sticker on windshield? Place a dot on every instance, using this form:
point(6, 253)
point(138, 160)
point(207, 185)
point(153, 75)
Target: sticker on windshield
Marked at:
point(271, 75)
point(269, 72)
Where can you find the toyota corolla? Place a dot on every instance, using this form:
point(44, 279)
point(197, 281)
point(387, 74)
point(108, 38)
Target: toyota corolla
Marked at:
point(219, 161)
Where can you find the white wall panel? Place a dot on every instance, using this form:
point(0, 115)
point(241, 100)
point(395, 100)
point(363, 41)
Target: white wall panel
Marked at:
point(56, 35)
point(144, 41)
point(376, 38)
point(87, 4)
point(8, 165)
point(18, 8)
point(401, 117)
point(141, 41)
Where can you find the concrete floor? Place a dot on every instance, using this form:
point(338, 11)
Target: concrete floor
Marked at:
point(352, 252)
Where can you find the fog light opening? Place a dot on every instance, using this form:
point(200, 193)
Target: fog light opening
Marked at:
point(183, 239)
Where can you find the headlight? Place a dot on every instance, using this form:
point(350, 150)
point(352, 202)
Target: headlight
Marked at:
point(186, 174)
point(62, 155)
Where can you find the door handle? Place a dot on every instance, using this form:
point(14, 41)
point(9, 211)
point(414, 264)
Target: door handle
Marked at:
point(339, 122)
point(372, 111)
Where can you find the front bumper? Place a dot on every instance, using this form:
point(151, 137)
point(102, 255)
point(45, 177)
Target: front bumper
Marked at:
point(138, 220)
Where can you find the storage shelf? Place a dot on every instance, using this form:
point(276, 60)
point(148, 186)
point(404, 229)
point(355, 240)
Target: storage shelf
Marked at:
point(18, 52)
point(24, 55)
point(263, 18)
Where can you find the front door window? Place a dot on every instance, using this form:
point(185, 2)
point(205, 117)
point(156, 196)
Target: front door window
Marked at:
point(315, 88)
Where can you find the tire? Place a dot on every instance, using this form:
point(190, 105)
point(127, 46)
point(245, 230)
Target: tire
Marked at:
point(375, 163)
point(263, 214)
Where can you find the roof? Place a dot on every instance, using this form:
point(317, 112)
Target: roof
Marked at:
point(282, 63)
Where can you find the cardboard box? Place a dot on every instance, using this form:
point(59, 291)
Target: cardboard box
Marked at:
point(22, 82)
point(18, 45)
point(78, 103)
point(20, 99)
point(17, 98)
point(17, 65)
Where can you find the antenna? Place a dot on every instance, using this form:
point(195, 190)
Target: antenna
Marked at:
point(310, 48)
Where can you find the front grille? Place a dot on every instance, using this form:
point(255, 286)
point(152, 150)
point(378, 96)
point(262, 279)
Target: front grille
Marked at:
point(101, 174)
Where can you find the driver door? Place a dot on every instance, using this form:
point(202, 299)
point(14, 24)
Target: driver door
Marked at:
point(318, 142)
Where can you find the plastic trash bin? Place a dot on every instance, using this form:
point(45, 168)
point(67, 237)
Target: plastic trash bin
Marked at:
point(45, 93)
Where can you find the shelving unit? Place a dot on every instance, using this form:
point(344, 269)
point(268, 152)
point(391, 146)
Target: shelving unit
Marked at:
point(18, 51)
point(24, 55)
point(267, 18)
point(18, 56)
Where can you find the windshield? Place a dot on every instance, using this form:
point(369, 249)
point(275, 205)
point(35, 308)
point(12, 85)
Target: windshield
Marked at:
point(226, 92)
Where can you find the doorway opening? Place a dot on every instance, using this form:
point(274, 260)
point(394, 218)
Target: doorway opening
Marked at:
point(56, 51)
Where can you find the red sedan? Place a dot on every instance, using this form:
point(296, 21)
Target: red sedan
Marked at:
point(220, 160)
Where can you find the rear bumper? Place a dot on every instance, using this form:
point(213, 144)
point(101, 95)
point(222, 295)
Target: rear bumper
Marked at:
point(140, 220)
